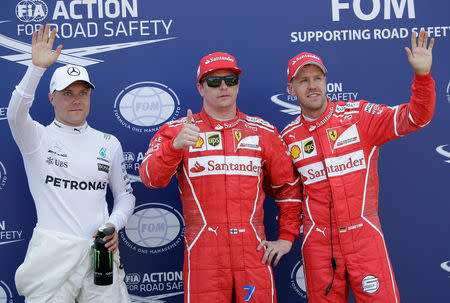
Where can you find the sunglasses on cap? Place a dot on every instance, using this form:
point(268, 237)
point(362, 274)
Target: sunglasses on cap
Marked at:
point(216, 81)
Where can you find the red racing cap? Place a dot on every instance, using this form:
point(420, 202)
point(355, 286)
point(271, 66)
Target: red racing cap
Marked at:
point(215, 61)
point(302, 59)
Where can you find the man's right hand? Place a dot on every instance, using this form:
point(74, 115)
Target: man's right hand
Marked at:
point(41, 47)
point(188, 135)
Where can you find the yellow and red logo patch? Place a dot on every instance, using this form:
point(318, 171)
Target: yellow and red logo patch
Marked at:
point(295, 151)
point(199, 143)
point(333, 134)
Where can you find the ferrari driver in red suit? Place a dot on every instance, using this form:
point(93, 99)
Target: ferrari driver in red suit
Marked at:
point(334, 146)
point(224, 161)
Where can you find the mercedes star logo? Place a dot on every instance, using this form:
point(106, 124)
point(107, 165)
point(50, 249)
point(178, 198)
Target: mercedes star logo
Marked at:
point(73, 71)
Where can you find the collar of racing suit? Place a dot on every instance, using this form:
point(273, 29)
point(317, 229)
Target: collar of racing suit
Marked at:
point(70, 129)
point(221, 125)
point(312, 125)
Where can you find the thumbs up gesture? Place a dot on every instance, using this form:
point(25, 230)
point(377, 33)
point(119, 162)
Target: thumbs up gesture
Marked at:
point(188, 134)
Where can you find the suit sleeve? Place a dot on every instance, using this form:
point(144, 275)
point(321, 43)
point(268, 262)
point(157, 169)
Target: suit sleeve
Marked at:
point(161, 160)
point(26, 132)
point(384, 123)
point(120, 185)
point(283, 183)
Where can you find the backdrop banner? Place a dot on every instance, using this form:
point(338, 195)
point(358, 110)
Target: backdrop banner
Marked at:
point(143, 56)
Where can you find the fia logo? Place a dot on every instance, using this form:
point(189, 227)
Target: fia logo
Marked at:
point(31, 10)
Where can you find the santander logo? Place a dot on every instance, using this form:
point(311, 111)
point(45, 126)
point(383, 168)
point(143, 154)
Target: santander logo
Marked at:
point(197, 168)
point(224, 165)
point(336, 166)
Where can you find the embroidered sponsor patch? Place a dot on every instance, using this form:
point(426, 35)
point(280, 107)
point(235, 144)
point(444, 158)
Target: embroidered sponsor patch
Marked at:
point(343, 136)
point(303, 149)
point(224, 165)
point(349, 105)
point(250, 142)
point(207, 141)
point(103, 167)
point(336, 166)
point(370, 284)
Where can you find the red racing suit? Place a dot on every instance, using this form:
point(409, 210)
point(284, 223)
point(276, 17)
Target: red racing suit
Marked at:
point(336, 156)
point(222, 181)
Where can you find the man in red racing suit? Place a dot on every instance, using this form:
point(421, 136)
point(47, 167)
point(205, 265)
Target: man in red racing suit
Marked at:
point(334, 146)
point(222, 169)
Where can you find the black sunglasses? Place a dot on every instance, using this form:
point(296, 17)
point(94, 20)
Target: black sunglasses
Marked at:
point(230, 80)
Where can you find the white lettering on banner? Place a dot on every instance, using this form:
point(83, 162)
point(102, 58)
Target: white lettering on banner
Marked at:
point(224, 165)
point(86, 19)
point(336, 92)
point(366, 34)
point(398, 8)
point(108, 8)
point(334, 87)
point(9, 236)
point(336, 166)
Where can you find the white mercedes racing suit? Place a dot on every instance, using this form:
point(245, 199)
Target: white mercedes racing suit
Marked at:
point(68, 170)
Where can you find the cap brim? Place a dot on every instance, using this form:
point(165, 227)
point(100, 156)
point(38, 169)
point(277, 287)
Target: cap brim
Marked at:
point(69, 83)
point(324, 70)
point(235, 70)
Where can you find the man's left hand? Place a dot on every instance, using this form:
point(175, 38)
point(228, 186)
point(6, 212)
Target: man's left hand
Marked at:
point(420, 56)
point(272, 248)
point(113, 239)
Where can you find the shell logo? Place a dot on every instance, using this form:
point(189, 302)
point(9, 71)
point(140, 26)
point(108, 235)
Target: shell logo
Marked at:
point(199, 142)
point(295, 151)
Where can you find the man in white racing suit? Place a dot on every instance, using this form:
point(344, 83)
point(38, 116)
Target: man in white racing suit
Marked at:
point(68, 166)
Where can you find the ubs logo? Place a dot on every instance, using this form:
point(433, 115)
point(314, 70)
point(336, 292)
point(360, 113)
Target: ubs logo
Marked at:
point(56, 162)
